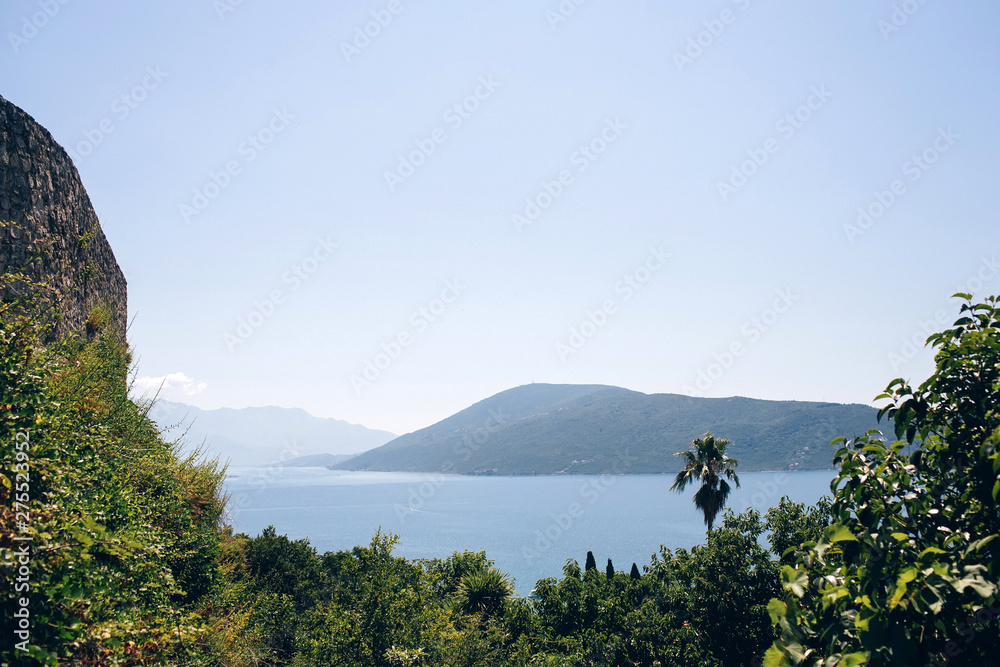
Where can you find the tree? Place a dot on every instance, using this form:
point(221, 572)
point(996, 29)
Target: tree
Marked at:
point(591, 562)
point(704, 608)
point(446, 574)
point(906, 573)
point(379, 612)
point(593, 621)
point(793, 524)
point(484, 591)
point(707, 462)
point(723, 587)
point(286, 567)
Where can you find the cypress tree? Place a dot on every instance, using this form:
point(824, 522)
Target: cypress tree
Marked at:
point(591, 563)
point(635, 572)
point(610, 570)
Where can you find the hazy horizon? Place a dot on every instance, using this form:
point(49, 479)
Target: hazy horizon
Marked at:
point(383, 212)
point(418, 428)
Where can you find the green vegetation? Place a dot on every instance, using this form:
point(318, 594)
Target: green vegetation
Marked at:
point(707, 463)
point(542, 429)
point(907, 572)
point(88, 236)
point(368, 607)
point(130, 562)
point(98, 318)
point(118, 535)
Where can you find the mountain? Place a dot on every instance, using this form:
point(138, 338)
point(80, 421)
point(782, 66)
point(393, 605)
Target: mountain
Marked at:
point(260, 436)
point(316, 460)
point(597, 429)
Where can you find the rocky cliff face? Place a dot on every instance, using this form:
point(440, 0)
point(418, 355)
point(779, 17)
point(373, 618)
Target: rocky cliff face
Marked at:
point(49, 231)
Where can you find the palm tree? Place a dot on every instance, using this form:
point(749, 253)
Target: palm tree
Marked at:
point(484, 590)
point(707, 462)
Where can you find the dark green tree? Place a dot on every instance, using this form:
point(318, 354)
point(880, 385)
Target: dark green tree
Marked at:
point(706, 607)
point(446, 574)
point(906, 574)
point(634, 574)
point(724, 587)
point(379, 613)
point(591, 562)
point(708, 464)
point(610, 570)
point(484, 591)
point(793, 524)
point(286, 567)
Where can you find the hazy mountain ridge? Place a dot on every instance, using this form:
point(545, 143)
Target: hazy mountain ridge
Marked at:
point(264, 435)
point(316, 460)
point(586, 429)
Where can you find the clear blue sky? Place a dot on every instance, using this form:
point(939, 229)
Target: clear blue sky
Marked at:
point(697, 169)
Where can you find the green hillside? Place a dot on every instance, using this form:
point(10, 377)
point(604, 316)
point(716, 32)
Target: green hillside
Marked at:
point(114, 536)
point(585, 429)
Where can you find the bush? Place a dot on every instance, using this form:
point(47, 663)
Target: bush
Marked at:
point(906, 573)
point(123, 534)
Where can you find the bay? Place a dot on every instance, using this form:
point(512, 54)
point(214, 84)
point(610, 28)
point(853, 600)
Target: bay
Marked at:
point(529, 526)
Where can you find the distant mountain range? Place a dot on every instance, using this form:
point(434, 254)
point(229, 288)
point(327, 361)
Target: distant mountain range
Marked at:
point(316, 460)
point(261, 436)
point(597, 429)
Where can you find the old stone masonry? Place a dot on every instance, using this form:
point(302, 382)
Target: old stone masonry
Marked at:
point(49, 232)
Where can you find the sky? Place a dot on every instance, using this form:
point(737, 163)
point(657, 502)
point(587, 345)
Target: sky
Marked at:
point(385, 211)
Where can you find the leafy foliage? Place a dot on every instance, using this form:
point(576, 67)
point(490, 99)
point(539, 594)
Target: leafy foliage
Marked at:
point(703, 607)
point(793, 524)
point(129, 564)
point(378, 613)
point(906, 572)
point(484, 591)
point(122, 534)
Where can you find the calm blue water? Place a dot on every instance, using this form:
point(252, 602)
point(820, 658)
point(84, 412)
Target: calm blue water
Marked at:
point(529, 525)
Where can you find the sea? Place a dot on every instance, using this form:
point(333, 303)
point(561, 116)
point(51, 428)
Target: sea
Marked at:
point(529, 526)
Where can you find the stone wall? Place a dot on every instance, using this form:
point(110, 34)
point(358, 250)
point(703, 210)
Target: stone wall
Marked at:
point(49, 230)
